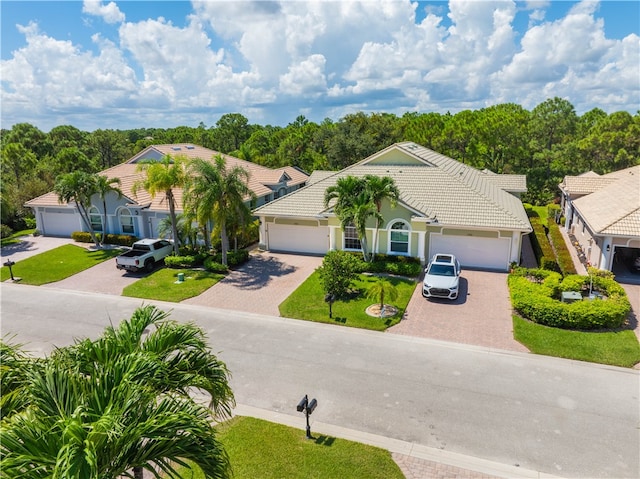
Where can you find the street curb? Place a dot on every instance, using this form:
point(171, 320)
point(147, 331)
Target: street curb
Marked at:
point(397, 446)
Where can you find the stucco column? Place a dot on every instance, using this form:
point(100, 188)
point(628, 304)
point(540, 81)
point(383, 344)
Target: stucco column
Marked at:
point(422, 246)
point(332, 238)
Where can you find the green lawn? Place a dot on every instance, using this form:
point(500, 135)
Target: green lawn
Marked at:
point(307, 302)
point(56, 264)
point(261, 449)
point(15, 237)
point(616, 348)
point(161, 285)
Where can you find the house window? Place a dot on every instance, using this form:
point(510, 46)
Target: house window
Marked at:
point(126, 221)
point(351, 240)
point(96, 219)
point(399, 238)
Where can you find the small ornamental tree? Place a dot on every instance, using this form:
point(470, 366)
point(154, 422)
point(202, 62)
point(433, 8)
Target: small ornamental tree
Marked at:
point(382, 289)
point(338, 271)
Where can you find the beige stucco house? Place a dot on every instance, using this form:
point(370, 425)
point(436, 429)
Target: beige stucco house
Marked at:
point(445, 206)
point(602, 213)
point(139, 214)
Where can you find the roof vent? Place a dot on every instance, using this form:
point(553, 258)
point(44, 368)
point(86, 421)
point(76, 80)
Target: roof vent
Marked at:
point(190, 147)
point(176, 148)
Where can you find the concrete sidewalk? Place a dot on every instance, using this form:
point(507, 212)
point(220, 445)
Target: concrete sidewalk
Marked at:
point(415, 461)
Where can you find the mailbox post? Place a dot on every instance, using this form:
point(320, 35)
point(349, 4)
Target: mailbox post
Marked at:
point(308, 407)
point(9, 264)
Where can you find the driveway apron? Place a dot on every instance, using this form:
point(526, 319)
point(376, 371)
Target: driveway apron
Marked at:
point(261, 284)
point(480, 316)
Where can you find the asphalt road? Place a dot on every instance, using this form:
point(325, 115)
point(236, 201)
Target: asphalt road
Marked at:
point(561, 417)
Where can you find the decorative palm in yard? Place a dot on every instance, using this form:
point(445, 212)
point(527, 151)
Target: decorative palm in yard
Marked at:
point(381, 290)
point(104, 186)
point(78, 187)
point(215, 193)
point(162, 177)
point(116, 405)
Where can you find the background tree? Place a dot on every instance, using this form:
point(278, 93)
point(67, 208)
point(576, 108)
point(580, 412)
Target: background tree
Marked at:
point(78, 187)
point(111, 147)
point(232, 129)
point(162, 177)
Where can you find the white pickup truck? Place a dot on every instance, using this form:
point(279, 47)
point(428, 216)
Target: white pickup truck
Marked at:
point(144, 254)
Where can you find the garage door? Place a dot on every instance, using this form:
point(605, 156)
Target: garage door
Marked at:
point(60, 223)
point(473, 251)
point(298, 239)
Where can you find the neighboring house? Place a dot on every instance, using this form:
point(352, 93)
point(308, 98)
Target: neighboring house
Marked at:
point(139, 214)
point(445, 207)
point(603, 214)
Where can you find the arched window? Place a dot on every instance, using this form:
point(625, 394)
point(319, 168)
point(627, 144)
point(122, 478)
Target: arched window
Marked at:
point(96, 219)
point(399, 238)
point(126, 221)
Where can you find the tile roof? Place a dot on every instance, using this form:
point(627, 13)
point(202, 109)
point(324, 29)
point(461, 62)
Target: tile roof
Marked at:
point(614, 209)
point(432, 185)
point(259, 176)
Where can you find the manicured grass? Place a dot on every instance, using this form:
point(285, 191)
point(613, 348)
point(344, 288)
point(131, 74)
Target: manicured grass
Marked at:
point(307, 302)
point(619, 348)
point(261, 449)
point(161, 285)
point(15, 237)
point(56, 264)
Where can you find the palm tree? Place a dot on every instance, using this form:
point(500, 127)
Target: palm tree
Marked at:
point(216, 193)
point(162, 177)
point(381, 289)
point(104, 186)
point(78, 187)
point(99, 409)
point(381, 188)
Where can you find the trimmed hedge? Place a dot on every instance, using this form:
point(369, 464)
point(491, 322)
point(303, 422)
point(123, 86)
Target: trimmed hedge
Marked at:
point(120, 240)
point(186, 261)
point(565, 262)
point(234, 258)
point(541, 246)
point(399, 265)
point(215, 267)
point(535, 296)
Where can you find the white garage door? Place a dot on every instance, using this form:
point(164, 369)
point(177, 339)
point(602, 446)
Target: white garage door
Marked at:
point(60, 223)
point(473, 251)
point(298, 239)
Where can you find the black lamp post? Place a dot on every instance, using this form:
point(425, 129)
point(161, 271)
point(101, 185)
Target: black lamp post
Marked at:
point(330, 298)
point(308, 407)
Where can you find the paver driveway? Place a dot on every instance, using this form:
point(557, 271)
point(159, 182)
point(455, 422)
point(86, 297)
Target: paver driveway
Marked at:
point(480, 316)
point(261, 284)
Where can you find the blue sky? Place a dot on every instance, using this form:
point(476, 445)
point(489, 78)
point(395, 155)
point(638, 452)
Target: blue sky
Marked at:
point(128, 64)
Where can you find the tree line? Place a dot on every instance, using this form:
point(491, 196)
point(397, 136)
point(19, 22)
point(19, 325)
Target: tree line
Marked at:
point(546, 143)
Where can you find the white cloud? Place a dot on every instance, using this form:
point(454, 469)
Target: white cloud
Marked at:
point(275, 60)
point(110, 13)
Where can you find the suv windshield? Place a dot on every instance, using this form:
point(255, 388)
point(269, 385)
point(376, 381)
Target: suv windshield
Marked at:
point(441, 270)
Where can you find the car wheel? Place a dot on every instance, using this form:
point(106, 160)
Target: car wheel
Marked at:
point(148, 266)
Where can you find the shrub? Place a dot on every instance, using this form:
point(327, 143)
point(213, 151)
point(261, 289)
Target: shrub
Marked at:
point(234, 258)
point(541, 247)
point(30, 223)
point(178, 262)
point(214, 267)
point(120, 240)
point(391, 264)
point(535, 295)
point(565, 261)
point(337, 273)
point(5, 231)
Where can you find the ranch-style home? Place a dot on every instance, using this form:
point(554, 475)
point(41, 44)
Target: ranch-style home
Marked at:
point(602, 214)
point(445, 206)
point(138, 214)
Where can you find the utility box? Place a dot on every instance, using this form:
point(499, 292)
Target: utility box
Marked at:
point(571, 296)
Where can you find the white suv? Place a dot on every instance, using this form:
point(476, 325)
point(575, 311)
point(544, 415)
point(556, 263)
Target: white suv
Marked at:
point(441, 277)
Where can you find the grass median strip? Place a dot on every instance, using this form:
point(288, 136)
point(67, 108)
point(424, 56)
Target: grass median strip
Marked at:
point(617, 348)
point(56, 264)
point(307, 302)
point(162, 285)
point(266, 450)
